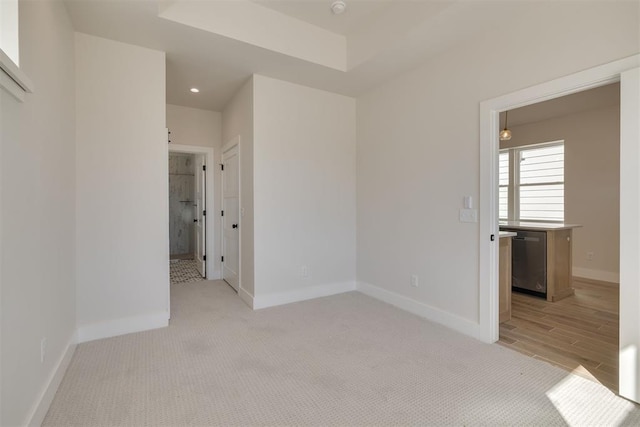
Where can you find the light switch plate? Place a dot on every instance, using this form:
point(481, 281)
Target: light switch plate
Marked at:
point(468, 202)
point(468, 215)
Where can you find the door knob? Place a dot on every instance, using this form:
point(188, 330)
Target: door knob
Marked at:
point(234, 226)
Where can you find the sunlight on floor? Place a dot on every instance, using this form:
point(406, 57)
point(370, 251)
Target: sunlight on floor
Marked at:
point(573, 398)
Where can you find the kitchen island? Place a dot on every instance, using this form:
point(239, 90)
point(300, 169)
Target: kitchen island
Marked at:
point(542, 258)
point(504, 280)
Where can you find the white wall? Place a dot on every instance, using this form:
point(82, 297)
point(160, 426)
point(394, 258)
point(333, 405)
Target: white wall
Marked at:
point(418, 151)
point(237, 119)
point(592, 183)
point(304, 194)
point(193, 126)
point(122, 188)
point(37, 171)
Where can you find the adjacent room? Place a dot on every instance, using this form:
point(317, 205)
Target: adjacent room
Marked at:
point(289, 212)
point(559, 192)
point(184, 233)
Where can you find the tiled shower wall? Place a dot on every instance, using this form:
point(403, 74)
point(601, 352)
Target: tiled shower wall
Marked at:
point(181, 203)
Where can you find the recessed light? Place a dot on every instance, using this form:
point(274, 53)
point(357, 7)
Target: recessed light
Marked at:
point(194, 90)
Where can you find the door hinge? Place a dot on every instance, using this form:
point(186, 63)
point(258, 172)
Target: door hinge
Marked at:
point(222, 258)
point(204, 257)
point(204, 213)
point(204, 167)
point(221, 166)
point(221, 213)
point(493, 237)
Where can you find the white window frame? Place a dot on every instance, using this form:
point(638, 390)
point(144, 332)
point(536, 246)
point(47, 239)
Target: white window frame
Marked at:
point(513, 192)
point(12, 78)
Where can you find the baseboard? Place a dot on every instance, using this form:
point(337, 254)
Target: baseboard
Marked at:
point(428, 312)
point(49, 390)
point(599, 275)
point(128, 325)
point(280, 298)
point(246, 297)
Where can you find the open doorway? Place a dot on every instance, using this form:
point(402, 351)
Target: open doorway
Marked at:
point(559, 186)
point(187, 235)
point(191, 236)
point(626, 72)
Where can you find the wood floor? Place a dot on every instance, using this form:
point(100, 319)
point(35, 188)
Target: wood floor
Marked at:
point(578, 333)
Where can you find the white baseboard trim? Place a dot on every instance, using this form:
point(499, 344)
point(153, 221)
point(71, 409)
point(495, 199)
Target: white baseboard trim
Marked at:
point(449, 320)
point(45, 398)
point(128, 325)
point(601, 275)
point(280, 298)
point(246, 297)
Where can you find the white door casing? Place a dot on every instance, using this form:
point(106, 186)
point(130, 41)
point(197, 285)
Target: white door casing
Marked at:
point(200, 219)
point(629, 356)
point(231, 216)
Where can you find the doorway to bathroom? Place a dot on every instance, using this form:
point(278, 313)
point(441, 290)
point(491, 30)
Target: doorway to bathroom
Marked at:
point(186, 228)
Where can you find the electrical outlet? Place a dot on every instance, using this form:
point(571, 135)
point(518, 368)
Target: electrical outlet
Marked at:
point(468, 215)
point(589, 256)
point(43, 349)
point(414, 281)
point(304, 271)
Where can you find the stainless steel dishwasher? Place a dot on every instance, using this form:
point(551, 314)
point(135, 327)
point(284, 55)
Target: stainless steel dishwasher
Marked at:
point(529, 262)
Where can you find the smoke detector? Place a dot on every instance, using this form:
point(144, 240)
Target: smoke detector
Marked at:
point(338, 7)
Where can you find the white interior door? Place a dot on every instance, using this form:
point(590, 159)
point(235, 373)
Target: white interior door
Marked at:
point(230, 216)
point(199, 222)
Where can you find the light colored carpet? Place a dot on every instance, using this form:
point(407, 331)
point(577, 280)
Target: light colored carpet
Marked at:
point(340, 360)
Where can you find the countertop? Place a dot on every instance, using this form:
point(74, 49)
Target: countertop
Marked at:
point(502, 234)
point(522, 225)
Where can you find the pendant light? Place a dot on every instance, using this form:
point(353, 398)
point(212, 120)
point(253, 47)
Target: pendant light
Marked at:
point(505, 134)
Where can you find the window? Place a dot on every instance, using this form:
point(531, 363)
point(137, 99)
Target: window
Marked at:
point(503, 178)
point(531, 181)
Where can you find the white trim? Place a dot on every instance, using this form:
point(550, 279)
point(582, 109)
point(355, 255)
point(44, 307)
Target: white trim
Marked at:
point(8, 84)
point(489, 124)
point(600, 275)
point(287, 297)
point(231, 143)
point(13, 79)
point(629, 337)
point(42, 404)
point(212, 272)
point(122, 326)
point(246, 297)
point(428, 312)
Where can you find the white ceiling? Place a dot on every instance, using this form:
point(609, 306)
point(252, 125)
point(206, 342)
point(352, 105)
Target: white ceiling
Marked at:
point(318, 12)
point(383, 38)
